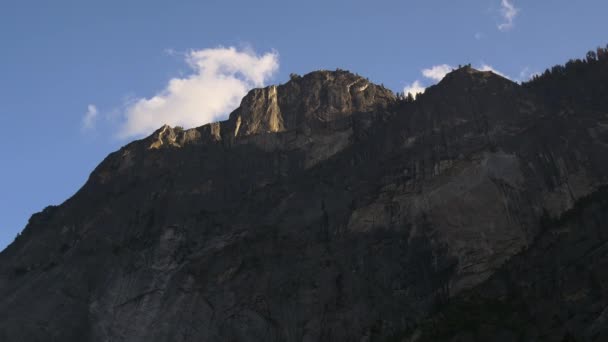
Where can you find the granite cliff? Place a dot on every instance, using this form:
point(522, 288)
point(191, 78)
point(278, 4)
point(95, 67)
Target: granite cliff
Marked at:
point(328, 209)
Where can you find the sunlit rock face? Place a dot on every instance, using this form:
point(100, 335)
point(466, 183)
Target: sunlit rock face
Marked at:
point(307, 102)
point(323, 209)
point(315, 114)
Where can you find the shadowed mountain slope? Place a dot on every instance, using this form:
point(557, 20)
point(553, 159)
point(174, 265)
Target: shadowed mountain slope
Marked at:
point(327, 209)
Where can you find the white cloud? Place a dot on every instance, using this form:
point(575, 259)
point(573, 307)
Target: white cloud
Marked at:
point(508, 12)
point(414, 88)
point(437, 72)
point(170, 52)
point(220, 78)
point(526, 74)
point(478, 35)
point(486, 67)
point(90, 117)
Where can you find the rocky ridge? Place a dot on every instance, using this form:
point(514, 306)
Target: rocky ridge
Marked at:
point(321, 209)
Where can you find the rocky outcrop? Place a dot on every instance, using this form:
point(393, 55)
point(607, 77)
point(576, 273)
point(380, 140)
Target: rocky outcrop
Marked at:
point(323, 209)
point(306, 103)
point(314, 113)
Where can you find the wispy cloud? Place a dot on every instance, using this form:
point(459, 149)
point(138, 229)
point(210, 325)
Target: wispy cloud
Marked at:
point(486, 67)
point(219, 78)
point(508, 12)
point(526, 74)
point(90, 117)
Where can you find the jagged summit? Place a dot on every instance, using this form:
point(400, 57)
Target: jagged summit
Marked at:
point(303, 103)
point(319, 97)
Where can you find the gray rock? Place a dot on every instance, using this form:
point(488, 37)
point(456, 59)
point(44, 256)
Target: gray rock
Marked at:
point(324, 209)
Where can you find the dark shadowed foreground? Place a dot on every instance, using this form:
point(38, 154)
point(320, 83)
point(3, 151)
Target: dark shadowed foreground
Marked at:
point(327, 209)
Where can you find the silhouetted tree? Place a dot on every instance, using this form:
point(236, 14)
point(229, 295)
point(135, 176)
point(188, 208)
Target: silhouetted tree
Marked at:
point(409, 98)
point(580, 83)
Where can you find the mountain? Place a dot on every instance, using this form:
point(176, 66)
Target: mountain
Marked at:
point(329, 209)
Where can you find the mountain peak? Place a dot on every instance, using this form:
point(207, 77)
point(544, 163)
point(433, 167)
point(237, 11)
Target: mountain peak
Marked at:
point(467, 81)
point(468, 73)
point(305, 101)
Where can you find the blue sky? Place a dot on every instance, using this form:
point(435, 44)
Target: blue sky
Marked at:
point(79, 79)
